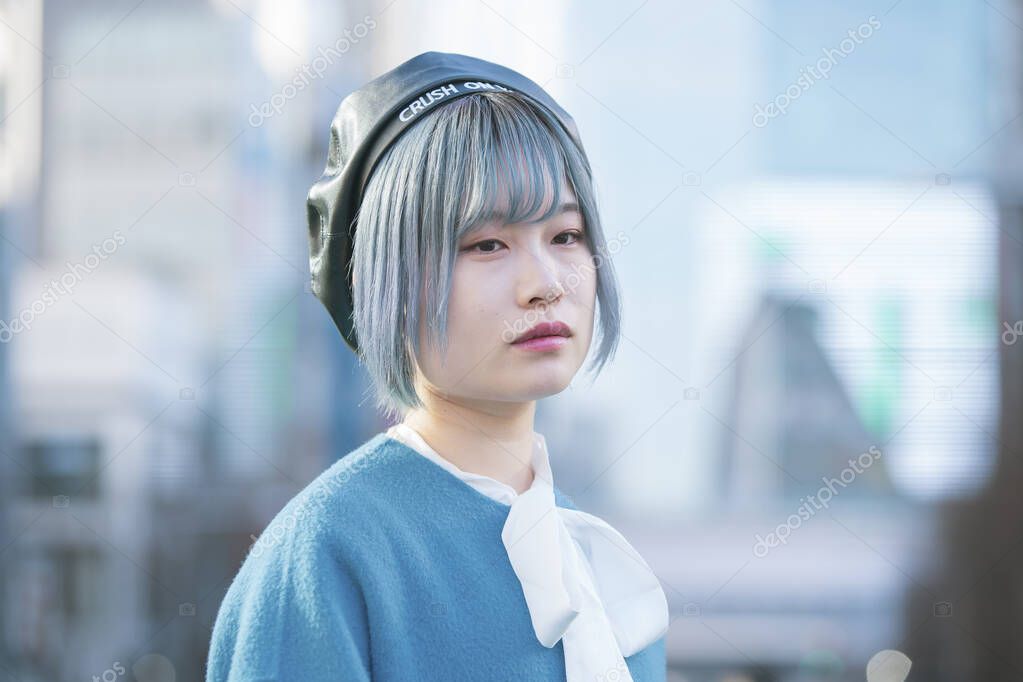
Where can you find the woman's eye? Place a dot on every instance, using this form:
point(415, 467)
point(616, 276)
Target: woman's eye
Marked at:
point(576, 235)
point(475, 247)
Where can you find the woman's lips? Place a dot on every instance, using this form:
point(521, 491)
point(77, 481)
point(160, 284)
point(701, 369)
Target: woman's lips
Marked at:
point(542, 343)
point(545, 328)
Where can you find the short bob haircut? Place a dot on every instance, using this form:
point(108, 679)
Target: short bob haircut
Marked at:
point(435, 184)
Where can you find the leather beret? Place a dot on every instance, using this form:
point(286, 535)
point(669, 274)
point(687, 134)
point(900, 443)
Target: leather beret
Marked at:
point(366, 123)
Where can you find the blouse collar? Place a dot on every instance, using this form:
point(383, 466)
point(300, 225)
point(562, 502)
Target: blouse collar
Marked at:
point(491, 487)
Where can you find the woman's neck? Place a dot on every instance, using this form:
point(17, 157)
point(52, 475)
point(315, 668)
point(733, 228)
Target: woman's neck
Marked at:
point(481, 442)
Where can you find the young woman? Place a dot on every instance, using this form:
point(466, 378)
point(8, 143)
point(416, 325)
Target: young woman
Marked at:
point(455, 230)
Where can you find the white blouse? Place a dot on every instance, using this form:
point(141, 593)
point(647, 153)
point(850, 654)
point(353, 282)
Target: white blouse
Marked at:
point(583, 582)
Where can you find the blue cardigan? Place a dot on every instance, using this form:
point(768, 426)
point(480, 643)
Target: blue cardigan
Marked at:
point(388, 568)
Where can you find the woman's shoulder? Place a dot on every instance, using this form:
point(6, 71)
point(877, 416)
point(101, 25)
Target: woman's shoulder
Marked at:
point(361, 477)
point(348, 497)
point(296, 603)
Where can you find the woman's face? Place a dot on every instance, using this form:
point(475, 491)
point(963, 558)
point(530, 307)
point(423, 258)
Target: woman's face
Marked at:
point(507, 279)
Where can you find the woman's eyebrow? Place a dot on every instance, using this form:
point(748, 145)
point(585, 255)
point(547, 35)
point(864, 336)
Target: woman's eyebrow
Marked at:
point(565, 207)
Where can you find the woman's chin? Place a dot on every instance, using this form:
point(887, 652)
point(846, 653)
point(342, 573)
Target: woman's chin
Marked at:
point(543, 385)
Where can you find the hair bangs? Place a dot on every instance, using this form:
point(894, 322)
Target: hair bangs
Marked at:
point(517, 166)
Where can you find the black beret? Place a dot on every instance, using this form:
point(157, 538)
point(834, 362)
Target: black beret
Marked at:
point(366, 123)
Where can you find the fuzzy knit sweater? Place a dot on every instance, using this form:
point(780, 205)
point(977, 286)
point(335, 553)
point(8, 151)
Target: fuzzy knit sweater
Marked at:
point(387, 568)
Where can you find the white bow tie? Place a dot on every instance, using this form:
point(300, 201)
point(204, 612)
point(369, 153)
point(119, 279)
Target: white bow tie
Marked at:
point(583, 582)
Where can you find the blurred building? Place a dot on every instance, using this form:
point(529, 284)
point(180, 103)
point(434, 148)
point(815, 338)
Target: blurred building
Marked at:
point(965, 614)
point(168, 392)
point(21, 78)
point(111, 464)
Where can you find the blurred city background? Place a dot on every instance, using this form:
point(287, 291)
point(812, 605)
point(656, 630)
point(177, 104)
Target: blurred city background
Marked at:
point(813, 427)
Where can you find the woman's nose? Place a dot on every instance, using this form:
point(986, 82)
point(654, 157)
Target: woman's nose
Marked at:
point(539, 277)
